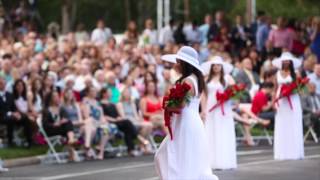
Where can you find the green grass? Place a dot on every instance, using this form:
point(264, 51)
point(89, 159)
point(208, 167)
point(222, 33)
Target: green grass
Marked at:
point(20, 152)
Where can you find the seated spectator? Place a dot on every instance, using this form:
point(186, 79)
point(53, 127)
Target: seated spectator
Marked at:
point(248, 77)
point(151, 106)
point(10, 116)
point(261, 104)
point(55, 124)
point(127, 108)
point(112, 115)
point(115, 92)
point(315, 78)
point(311, 107)
point(71, 110)
point(35, 101)
point(93, 111)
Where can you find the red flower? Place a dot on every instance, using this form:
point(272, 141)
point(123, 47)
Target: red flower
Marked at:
point(177, 96)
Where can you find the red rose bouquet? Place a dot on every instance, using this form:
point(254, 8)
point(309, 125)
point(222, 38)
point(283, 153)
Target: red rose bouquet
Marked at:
point(234, 92)
point(173, 103)
point(296, 87)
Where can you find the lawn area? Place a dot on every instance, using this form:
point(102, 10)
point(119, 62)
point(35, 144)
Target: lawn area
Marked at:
point(19, 152)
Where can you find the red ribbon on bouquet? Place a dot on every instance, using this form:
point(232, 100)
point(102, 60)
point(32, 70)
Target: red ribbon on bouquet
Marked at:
point(167, 115)
point(286, 91)
point(221, 98)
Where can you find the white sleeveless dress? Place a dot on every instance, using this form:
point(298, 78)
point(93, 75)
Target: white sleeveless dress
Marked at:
point(288, 134)
point(186, 156)
point(220, 131)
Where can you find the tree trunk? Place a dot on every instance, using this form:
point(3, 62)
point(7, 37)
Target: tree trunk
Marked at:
point(127, 9)
point(186, 10)
point(66, 16)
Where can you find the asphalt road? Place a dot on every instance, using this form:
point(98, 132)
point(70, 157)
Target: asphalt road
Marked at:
point(254, 164)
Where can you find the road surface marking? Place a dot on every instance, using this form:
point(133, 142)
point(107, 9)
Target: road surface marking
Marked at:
point(96, 171)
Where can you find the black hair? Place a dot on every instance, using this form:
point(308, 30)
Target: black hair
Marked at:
point(267, 85)
point(211, 74)
point(7, 56)
point(187, 70)
point(16, 94)
point(292, 71)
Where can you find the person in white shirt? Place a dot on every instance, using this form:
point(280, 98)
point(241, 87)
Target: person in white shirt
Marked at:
point(101, 34)
point(149, 35)
point(166, 34)
point(204, 29)
point(193, 35)
point(315, 78)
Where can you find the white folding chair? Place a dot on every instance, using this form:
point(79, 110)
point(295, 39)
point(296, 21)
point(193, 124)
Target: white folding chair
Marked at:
point(307, 121)
point(52, 141)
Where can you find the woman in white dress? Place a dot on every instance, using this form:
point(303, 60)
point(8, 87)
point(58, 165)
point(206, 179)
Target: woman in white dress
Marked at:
point(288, 134)
point(219, 123)
point(186, 155)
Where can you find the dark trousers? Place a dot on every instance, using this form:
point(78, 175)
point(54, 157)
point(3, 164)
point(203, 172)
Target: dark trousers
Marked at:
point(12, 122)
point(129, 130)
point(62, 130)
point(315, 122)
point(270, 115)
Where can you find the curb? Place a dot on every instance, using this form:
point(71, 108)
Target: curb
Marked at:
point(22, 161)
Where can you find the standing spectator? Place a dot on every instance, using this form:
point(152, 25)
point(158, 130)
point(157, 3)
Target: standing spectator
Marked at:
point(263, 33)
point(131, 35)
point(193, 35)
point(101, 34)
point(81, 35)
point(204, 29)
point(315, 78)
point(216, 25)
point(166, 34)
point(280, 38)
point(256, 24)
point(315, 37)
point(179, 36)
point(239, 35)
point(149, 34)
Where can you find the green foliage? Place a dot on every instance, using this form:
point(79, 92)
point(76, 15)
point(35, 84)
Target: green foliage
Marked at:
point(116, 17)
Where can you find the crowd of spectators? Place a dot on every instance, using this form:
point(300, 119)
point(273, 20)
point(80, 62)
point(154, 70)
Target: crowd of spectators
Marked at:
point(88, 83)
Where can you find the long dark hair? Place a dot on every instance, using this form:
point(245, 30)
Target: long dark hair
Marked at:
point(16, 94)
point(292, 72)
point(187, 70)
point(211, 74)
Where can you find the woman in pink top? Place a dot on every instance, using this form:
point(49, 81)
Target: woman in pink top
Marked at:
point(280, 38)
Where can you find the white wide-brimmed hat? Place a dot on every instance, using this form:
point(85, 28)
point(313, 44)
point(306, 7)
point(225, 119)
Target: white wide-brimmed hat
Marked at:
point(286, 56)
point(186, 54)
point(206, 67)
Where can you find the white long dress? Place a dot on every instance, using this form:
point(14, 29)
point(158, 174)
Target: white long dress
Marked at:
point(288, 134)
point(186, 156)
point(220, 130)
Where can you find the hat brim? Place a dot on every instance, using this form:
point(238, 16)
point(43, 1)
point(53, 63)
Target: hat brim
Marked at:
point(206, 67)
point(172, 58)
point(278, 62)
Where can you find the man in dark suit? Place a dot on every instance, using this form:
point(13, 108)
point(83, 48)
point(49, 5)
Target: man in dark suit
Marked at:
point(248, 77)
point(10, 117)
point(311, 106)
point(214, 28)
